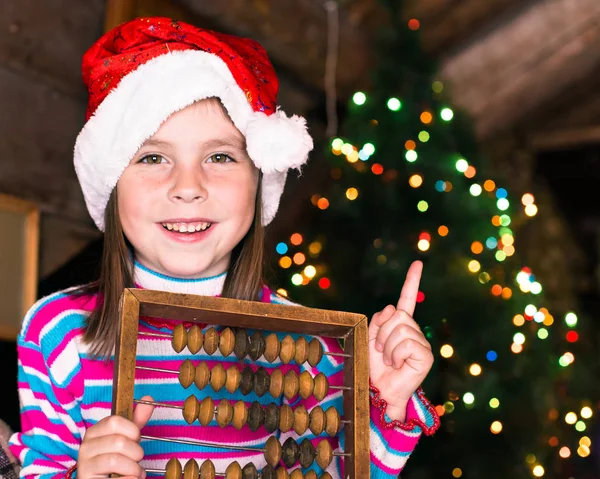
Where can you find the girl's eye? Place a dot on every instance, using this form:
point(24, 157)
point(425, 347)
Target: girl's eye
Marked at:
point(220, 158)
point(152, 159)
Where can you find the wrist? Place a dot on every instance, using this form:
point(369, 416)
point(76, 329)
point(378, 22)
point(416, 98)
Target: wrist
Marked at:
point(397, 412)
point(71, 472)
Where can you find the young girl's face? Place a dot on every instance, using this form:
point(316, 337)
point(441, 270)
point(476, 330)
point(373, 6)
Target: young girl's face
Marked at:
point(188, 196)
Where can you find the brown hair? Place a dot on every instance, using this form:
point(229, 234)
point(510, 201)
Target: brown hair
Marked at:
point(244, 278)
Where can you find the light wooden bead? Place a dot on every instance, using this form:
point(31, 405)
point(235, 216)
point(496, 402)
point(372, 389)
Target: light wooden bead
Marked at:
point(325, 475)
point(240, 415)
point(291, 384)
point(282, 473)
point(233, 471)
point(317, 420)
point(195, 339)
point(247, 381)
point(179, 340)
point(300, 420)
point(276, 386)
point(191, 470)
point(242, 344)
point(332, 421)
point(202, 376)
point(187, 372)
point(191, 409)
point(307, 384)
point(217, 377)
point(226, 342)
point(173, 469)
point(271, 417)
point(315, 352)
point(301, 354)
point(262, 382)
point(224, 413)
point(256, 416)
point(297, 474)
point(207, 471)
point(286, 418)
point(211, 341)
point(321, 387)
point(273, 451)
point(207, 411)
point(257, 346)
point(311, 475)
point(249, 471)
point(233, 378)
point(307, 453)
point(324, 454)
point(272, 346)
point(291, 452)
point(288, 349)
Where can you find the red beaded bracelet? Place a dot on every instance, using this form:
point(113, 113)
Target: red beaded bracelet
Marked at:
point(70, 471)
point(409, 425)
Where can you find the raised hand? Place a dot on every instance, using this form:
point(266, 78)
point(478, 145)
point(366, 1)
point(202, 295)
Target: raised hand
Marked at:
point(399, 355)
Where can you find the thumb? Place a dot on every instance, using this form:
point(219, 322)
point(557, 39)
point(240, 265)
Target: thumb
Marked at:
point(142, 412)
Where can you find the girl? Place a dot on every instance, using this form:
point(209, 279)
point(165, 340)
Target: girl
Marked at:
point(182, 163)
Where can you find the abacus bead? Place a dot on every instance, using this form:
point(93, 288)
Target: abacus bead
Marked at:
point(247, 381)
point(291, 384)
point(207, 411)
point(307, 453)
point(282, 473)
point(332, 421)
point(173, 469)
point(262, 381)
point(324, 454)
point(233, 378)
point(290, 453)
point(194, 339)
point(211, 341)
point(307, 384)
point(321, 387)
point(273, 451)
point(301, 354)
point(202, 375)
point(272, 346)
point(233, 471)
point(310, 475)
point(257, 346)
point(325, 475)
point(315, 352)
point(317, 420)
point(186, 373)
point(286, 418)
point(256, 416)
point(191, 470)
point(207, 471)
point(179, 340)
point(217, 377)
point(241, 343)
point(226, 342)
point(268, 472)
point(300, 420)
point(249, 471)
point(296, 474)
point(224, 413)
point(240, 414)
point(271, 417)
point(288, 349)
point(191, 409)
point(276, 386)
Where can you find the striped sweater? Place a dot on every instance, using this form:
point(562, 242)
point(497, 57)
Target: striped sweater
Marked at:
point(63, 392)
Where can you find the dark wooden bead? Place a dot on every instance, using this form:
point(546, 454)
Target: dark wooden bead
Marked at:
point(307, 453)
point(179, 340)
point(257, 346)
point(249, 471)
point(256, 416)
point(271, 417)
point(195, 339)
point(242, 344)
point(290, 452)
point(211, 341)
point(268, 472)
point(247, 381)
point(262, 382)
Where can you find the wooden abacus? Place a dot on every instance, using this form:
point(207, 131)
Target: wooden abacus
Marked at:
point(242, 315)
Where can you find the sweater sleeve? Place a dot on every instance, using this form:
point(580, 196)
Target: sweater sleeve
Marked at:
point(50, 388)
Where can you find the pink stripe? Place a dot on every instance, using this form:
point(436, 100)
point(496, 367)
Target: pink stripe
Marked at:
point(388, 470)
point(63, 344)
point(396, 439)
point(214, 434)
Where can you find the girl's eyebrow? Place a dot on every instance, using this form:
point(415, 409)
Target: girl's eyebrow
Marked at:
point(235, 141)
point(156, 143)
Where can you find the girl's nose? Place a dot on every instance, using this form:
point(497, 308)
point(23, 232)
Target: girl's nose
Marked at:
point(188, 186)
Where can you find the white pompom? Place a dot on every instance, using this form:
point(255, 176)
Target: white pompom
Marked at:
point(278, 143)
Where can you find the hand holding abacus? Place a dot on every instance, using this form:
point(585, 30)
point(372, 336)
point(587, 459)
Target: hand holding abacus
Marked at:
point(399, 355)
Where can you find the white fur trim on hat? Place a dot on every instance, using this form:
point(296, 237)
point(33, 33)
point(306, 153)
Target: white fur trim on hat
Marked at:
point(146, 97)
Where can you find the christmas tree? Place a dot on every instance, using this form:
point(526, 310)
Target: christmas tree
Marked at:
point(408, 182)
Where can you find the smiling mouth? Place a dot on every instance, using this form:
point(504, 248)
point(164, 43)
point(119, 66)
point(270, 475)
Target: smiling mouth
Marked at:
point(186, 227)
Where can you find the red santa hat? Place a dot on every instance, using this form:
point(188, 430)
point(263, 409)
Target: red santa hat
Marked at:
point(143, 71)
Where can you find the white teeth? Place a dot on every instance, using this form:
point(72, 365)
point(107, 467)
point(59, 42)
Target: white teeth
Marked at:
point(186, 227)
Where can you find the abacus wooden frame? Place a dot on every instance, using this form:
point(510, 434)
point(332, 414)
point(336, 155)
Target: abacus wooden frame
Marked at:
point(352, 328)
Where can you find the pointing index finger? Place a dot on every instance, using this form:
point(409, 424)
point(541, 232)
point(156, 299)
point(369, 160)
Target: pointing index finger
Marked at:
point(408, 295)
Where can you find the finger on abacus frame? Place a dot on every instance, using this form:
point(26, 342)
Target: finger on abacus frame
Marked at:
point(409, 348)
point(398, 318)
point(401, 333)
point(410, 289)
point(113, 425)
